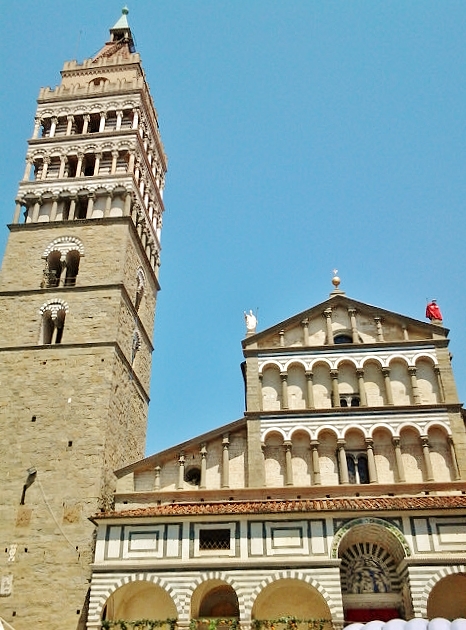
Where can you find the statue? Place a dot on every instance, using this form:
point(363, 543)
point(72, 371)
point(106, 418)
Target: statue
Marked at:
point(433, 312)
point(251, 321)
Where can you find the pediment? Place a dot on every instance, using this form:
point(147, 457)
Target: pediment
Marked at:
point(310, 328)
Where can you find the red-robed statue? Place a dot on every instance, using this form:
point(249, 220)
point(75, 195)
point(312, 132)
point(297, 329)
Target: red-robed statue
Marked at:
point(433, 312)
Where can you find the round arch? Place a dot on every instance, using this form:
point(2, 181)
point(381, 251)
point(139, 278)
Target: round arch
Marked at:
point(438, 587)
point(139, 598)
point(214, 597)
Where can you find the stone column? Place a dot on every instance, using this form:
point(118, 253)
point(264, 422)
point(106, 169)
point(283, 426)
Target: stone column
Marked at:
point(427, 460)
point(315, 462)
point(378, 325)
point(157, 478)
point(284, 379)
point(108, 205)
point(388, 385)
point(405, 334)
point(399, 459)
point(79, 165)
point(98, 157)
point(371, 461)
point(37, 124)
point(17, 214)
point(53, 126)
point(441, 391)
point(103, 116)
point(72, 208)
point(261, 396)
point(135, 119)
point(362, 387)
point(414, 387)
point(281, 336)
point(288, 464)
point(35, 212)
point(335, 392)
point(69, 126)
point(90, 205)
point(354, 328)
point(305, 325)
point(226, 461)
point(181, 461)
point(342, 463)
point(127, 208)
point(454, 461)
point(86, 120)
point(114, 162)
point(61, 172)
point(309, 390)
point(203, 452)
point(131, 162)
point(45, 166)
point(328, 323)
point(53, 213)
point(119, 118)
point(27, 170)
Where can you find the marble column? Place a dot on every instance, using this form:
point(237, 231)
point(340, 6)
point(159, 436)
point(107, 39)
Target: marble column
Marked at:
point(354, 328)
point(203, 452)
point(315, 462)
point(328, 324)
point(157, 477)
point(17, 214)
point(371, 461)
point(454, 461)
point(441, 391)
point(284, 380)
point(427, 460)
point(362, 387)
point(414, 386)
point(335, 391)
point(388, 385)
point(378, 326)
point(288, 463)
point(305, 325)
point(342, 463)
point(225, 461)
point(69, 126)
point(400, 469)
point(309, 390)
point(181, 461)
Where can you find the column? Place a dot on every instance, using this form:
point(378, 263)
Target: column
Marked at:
point(45, 166)
point(405, 334)
point(17, 214)
point(281, 336)
point(378, 325)
point(399, 459)
point(86, 119)
point(103, 116)
point(108, 205)
point(335, 392)
point(69, 126)
point(35, 212)
point(157, 478)
point(61, 172)
point(315, 462)
point(119, 118)
point(203, 452)
point(354, 329)
point(454, 461)
point(131, 162)
point(127, 208)
point(114, 162)
point(288, 463)
point(90, 205)
point(37, 124)
point(98, 157)
point(328, 322)
point(261, 396)
point(441, 391)
point(181, 461)
point(53, 126)
point(53, 213)
point(427, 460)
point(72, 209)
point(79, 166)
point(284, 379)
point(305, 325)
point(371, 461)
point(414, 387)
point(388, 385)
point(27, 170)
point(309, 390)
point(225, 462)
point(135, 119)
point(362, 387)
point(342, 463)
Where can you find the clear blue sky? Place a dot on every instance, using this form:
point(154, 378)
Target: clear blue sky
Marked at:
point(301, 135)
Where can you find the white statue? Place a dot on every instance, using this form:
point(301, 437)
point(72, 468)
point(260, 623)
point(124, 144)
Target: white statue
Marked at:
point(251, 321)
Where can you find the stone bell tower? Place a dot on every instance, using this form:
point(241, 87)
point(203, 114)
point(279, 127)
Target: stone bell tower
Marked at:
point(78, 290)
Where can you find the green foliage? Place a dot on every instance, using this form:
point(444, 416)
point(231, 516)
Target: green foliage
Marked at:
point(290, 623)
point(139, 624)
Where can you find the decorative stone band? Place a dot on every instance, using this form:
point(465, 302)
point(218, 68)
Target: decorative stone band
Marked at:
point(54, 307)
point(65, 244)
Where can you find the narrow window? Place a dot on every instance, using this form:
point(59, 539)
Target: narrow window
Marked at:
point(53, 269)
point(81, 208)
point(72, 268)
point(213, 539)
point(89, 165)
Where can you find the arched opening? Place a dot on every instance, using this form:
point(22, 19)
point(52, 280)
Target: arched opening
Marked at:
point(214, 599)
point(290, 597)
point(53, 269)
point(372, 585)
point(72, 268)
point(448, 598)
point(139, 600)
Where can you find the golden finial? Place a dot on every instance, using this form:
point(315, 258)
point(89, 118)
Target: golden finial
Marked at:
point(335, 280)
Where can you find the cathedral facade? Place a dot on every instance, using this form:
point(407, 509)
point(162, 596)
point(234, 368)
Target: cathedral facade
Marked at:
point(339, 496)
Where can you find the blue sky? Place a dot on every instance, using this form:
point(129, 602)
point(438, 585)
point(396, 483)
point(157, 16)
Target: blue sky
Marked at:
point(301, 136)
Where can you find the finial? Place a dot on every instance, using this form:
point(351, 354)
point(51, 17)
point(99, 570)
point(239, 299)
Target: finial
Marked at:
point(125, 10)
point(335, 280)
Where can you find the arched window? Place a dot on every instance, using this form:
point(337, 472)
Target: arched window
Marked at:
point(62, 259)
point(358, 469)
point(53, 321)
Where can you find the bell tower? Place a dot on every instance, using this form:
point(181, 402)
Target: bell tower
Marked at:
point(78, 290)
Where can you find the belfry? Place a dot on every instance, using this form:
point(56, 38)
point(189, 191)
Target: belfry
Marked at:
point(78, 289)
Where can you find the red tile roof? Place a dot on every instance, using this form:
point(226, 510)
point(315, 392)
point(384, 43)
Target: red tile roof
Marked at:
point(302, 505)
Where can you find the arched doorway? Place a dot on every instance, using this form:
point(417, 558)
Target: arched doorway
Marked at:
point(372, 584)
point(139, 600)
point(448, 598)
point(214, 599)
point(290, 597)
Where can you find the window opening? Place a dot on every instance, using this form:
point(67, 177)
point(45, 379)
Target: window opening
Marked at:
point(81, 208)
point(89, 165)
point(358, 469)
point(214, 539)
point(342, 338)
point(193, 476)
point(72, 268)
point(72, 166)
point(53, 269)
point(94, 123)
